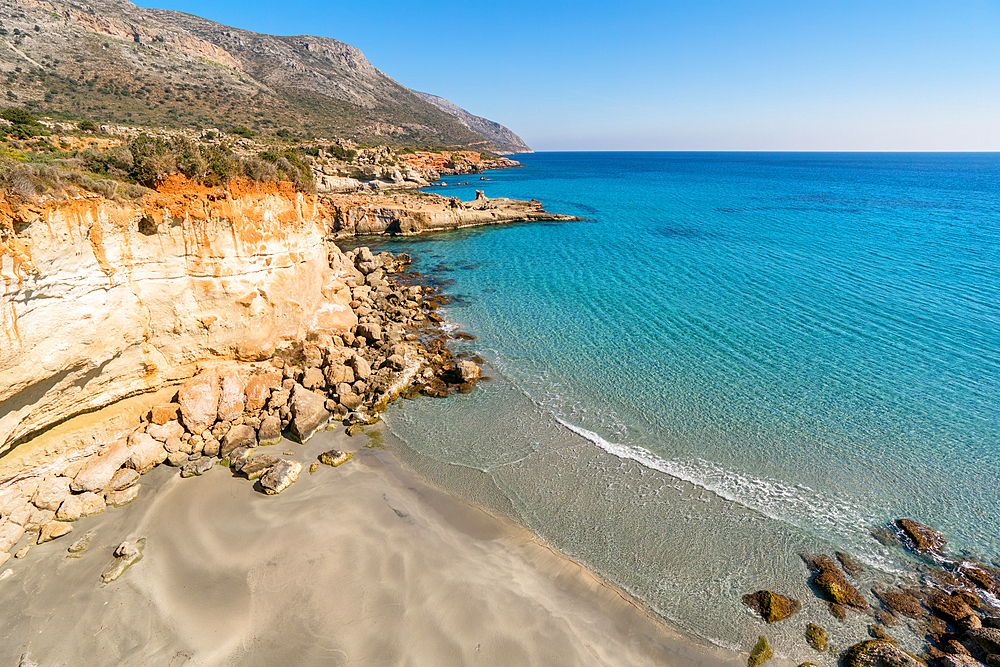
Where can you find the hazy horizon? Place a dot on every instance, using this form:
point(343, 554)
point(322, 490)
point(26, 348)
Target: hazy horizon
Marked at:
point(688, 76)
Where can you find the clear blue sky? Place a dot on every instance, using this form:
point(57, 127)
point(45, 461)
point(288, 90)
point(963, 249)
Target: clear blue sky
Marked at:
point(707, 75)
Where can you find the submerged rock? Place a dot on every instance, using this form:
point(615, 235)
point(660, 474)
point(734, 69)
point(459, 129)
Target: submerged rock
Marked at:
point(126, 555)
point(770, 606)
point(816, 636)
point(851, 566)
point(280, 477)
point(335, 457)
point(900, 601)
point(760, 653)
point(832, 585)
point(922, 539)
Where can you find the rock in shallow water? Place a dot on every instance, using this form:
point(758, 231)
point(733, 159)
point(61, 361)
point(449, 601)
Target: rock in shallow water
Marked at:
point(760, 653)
point(879, 653)
point(280, 477)
point(832, 584)
point(816, 636)
point(922, 539)
point(770, 606)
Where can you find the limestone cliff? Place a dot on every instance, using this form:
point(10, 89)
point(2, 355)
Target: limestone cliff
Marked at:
point(104, 299)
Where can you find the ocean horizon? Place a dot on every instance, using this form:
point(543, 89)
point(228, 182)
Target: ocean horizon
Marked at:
point(735, 357)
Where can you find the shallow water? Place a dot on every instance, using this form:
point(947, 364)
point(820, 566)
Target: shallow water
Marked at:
point(734, 358)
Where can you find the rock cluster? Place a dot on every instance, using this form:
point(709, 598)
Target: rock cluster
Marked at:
point(229, 410)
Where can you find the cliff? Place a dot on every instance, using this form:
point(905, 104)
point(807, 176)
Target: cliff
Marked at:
point(105, 299)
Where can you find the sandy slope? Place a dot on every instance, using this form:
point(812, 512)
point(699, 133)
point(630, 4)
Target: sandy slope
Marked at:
point(364, 564)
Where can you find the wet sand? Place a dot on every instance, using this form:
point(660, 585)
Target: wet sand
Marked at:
point(364, 564)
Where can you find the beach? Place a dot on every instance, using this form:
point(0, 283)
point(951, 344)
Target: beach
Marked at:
point(364, 563)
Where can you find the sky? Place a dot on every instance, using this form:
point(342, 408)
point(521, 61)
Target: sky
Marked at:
point(707, 75)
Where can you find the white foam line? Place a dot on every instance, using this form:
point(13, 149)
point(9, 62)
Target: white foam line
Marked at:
point(833, 518)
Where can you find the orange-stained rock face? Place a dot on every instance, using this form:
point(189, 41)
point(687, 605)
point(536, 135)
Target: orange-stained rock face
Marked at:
point(106, 299)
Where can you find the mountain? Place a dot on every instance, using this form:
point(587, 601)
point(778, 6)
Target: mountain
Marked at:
point(113, 61)
point(484, 127)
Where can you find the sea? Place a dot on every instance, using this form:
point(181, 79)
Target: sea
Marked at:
point(731, 359)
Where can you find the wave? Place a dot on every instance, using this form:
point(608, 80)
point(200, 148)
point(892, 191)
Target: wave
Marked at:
point(833, 518)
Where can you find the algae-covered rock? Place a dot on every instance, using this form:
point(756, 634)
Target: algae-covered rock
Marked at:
point(126, 555)
point(879, 653)
point(878, 632)
point(770, 606)
point(831, 583)
point(950, 608)
point(760, 654)
point(335, 457)
point(900, 601)
point(816, 636)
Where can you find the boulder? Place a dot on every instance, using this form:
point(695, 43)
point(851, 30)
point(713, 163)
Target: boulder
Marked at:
point(760, 653)
point(832, 585)
point(10, 533)
point(337, 373)
point(365, 261)
point(258, 465)
point(147, 453)
point(350, 400)
point(199, 401)
point(177, 459)
point(197, 467)
point(51, 492)
point(96, 474)
point(335, 457)
point(816, 636)
point(52, 530)
point(879, 653)
point(313, 378)
point(469, 371)
point(900, 601)
point(396, 362)
point(988, 639)
point(949, 608)
point(309, 413)
point(370, 331)
point(280, 477)
point(770, 606)
point(269, 432)
point(258, 389)
point(122, 497)
point(231, 396)
point(238, 458)
point(22, 514)
point(37, 518)
point(79, 506)
point(164, 412)
point(166, 430)
point(126, 555)
point(238, 436)
point(921, 538)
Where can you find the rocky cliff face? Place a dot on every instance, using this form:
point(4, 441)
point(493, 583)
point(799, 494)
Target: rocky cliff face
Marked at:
point(105, 299)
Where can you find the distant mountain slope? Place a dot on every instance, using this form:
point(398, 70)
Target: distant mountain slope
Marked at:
point(484, 127)
point(113, 61)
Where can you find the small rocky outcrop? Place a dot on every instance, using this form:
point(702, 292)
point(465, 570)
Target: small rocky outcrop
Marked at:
point(335, 457)
point(126, 555)
point(280, 477)
point(770, 606)
point(760, 653)
point(309, 413)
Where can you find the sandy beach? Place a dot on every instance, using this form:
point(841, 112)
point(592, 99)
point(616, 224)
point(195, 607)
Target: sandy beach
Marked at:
point(364, 564)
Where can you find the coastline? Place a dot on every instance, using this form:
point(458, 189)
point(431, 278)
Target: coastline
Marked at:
point(366, 561)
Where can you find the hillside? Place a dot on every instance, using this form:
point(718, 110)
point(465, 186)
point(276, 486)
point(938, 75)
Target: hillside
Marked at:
point(112, 61)
point(506, 140)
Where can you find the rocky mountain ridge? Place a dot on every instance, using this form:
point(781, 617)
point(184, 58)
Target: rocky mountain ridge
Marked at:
point(113, 61)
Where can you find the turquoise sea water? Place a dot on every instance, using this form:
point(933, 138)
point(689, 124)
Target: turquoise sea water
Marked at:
point(733, 358)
